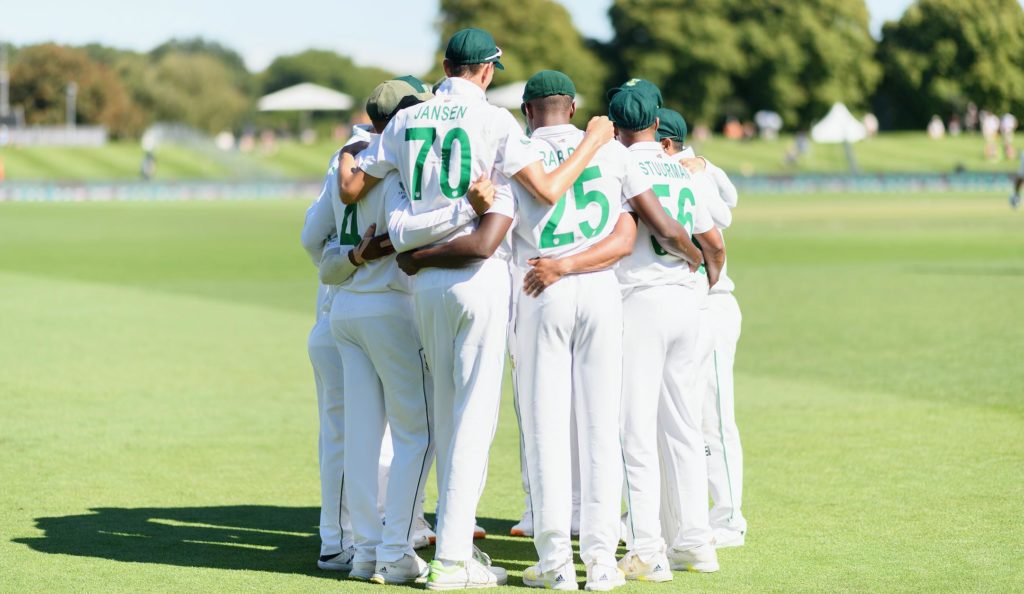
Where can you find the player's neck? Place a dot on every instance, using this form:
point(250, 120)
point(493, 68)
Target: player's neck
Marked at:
point(628, 139)
point(548, 121)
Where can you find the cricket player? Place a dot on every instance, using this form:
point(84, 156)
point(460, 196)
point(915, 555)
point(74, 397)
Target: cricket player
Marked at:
point(385, 383)
point(438, 148)
point(569, 347)
point(720, 327)
point(661, 302)
point(1018, 181)
point(319, 233)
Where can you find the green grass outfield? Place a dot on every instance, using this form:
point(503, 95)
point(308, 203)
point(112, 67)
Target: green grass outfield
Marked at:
point(893, 152)
point(158, 419)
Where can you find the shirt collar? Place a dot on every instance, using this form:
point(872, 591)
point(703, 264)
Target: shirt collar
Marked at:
point(461, 86)
point(649, 145)
point(558, 130)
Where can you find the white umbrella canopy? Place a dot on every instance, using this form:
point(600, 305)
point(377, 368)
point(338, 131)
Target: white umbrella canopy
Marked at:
point(510, 96)
point(305, 97)
point(838, 126)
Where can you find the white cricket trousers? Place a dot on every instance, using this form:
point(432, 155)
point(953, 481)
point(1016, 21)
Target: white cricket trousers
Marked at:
point(569, 346)
point(335, 525)
point(463, 316)
point(725, 453)
point(385, 384)
point(659, 399)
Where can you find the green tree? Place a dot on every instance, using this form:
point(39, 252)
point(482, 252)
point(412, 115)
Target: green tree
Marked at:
point(716, 58)
point(942, 54)
point(534, 35)
point(198, 46)
point(325, 68)
point(689, 48)
point(39, 79)
point(196, 89)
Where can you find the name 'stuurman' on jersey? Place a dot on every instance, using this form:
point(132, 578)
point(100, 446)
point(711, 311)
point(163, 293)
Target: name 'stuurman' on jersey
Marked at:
point(587, 213)
point(677, 190)
point(441, 146)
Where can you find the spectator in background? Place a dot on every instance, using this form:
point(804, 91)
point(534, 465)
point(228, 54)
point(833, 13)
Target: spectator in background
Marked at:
point(1007, 126)
point(989, 130)
point(871, 124)
point(936, 129)
point(148, 167)
point(954, 125)
point(733, 129)
point(971, 117)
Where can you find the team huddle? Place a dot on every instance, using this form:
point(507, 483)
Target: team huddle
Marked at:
point(447, 240)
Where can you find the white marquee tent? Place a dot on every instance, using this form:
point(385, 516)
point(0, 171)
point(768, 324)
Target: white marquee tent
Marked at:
point(305, 97)
point(839, 125)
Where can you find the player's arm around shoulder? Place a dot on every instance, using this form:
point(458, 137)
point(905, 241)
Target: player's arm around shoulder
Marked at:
point(319, 225)
point(478, 245)
point(712, 245)
point(548, 187)
point(545, 272)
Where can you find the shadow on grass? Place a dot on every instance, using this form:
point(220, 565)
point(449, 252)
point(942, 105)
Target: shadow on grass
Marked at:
point(250, 537)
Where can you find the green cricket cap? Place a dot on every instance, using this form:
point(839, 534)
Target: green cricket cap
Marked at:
point(473, 46)
point(547, 83)
point(639, 84)
point(671, 125)
point(632, 110)
point(391, 95)
point(416, 83)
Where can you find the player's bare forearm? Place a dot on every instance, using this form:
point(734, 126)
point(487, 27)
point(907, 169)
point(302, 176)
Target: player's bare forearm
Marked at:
point(461, 251)
point(550, 187)
point(353, 182)
point(672, 236)
point(713, 248)
point(545, 272)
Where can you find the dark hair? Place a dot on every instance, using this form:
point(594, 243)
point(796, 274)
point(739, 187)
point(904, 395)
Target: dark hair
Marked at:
point(677, 145)
point(462, 70)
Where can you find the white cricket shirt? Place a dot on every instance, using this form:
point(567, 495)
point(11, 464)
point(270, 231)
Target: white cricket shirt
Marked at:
point(677, 190)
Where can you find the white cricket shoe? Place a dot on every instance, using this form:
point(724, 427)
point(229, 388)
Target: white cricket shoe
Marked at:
point(602, 578)
point(479, 533)
point(407, 570)
point(338, 561)
point(657, 569)
point(560, 578)
point(702, 559)
point(729, 538)
point(362, 570)
point(422, 535)
point(525, 525)
point(465, 575)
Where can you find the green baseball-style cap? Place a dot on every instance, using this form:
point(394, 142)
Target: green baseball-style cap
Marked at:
point(473, 46)
point(391, 95)
point(632, 110)
point(547, 83)
point(416, 83)
point(671, 125)
point(639, 84)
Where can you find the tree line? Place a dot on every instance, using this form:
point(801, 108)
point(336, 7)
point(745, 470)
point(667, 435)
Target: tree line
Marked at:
point(713, 59)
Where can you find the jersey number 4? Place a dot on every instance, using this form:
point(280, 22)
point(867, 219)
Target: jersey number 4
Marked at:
point(349, 228)
point(685, 217)
point(550, 239)
point(427, 136)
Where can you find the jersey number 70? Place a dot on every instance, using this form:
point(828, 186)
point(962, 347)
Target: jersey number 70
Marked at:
point(427, 136)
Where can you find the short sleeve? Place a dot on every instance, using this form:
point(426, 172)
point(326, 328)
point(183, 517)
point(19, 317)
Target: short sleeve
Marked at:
point(504, 199)
point(380, 158)
point(702, 221)
point(634, 182)
point(515, 150)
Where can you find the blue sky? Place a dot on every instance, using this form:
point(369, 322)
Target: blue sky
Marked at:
point(260, 30)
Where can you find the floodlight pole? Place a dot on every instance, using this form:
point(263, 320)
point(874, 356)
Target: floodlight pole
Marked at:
point(72, 96)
